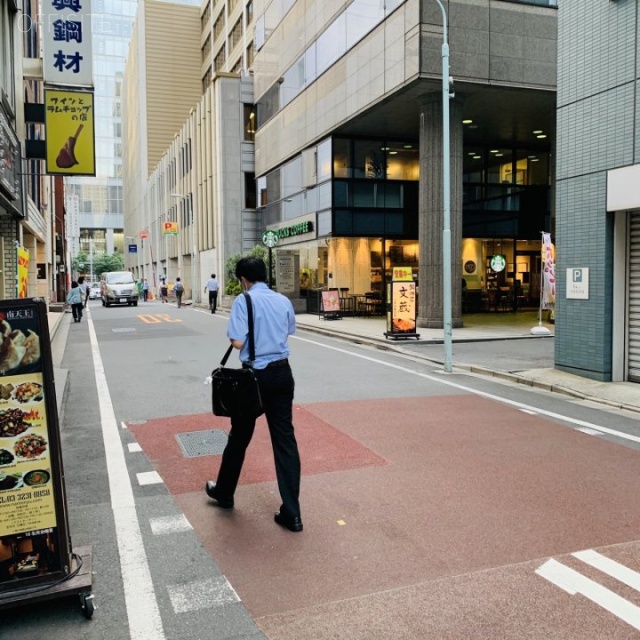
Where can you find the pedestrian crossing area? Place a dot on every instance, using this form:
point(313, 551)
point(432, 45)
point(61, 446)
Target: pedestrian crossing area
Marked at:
point(575, 582)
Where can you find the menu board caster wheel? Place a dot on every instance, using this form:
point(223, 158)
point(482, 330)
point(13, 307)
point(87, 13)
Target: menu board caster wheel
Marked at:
point(88, 605)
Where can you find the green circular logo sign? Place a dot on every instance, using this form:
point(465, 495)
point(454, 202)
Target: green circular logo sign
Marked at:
point(270, 239)
point(498, 263)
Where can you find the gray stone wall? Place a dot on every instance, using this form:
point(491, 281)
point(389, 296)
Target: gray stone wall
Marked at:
point(501, 42)
point(597, 123)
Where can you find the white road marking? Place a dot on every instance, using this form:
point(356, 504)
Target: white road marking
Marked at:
point(484, 394)
point(202, 594)
point(123, 425)
point(531, 413)
point(574, 582)
point(143, 613)
point(612, 568)
point(134, 447)
point(591, 432)
point(170, 524)
point(149, 477)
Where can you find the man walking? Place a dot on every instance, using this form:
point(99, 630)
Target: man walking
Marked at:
point(212, 288)
point(145, 290)
point(274, 321)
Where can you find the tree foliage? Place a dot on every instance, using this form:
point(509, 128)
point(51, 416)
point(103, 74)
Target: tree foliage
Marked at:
point(102, 262)
point(232, 284)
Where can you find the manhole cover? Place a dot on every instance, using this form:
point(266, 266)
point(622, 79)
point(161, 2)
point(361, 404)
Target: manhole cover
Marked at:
point(202, 443)
point(124, 330)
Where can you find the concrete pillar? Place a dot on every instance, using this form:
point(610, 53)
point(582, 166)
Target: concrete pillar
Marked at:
point(430, 298)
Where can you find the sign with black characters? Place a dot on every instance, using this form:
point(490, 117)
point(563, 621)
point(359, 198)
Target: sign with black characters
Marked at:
point(34, 545)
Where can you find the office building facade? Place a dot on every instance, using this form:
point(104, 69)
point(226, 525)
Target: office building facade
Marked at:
point(598, 200)
point(349, 143)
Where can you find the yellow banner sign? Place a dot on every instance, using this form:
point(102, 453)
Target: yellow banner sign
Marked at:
point(169, 228)
point(23, 271)
point(70, 137)
point(403, 274)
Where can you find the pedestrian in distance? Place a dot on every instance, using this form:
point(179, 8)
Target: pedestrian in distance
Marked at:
point(164, 290)
point(84, 288)
point(145, 290)
point(274, 321)
point(74, 298)
point(212, 288)
point(178, 288)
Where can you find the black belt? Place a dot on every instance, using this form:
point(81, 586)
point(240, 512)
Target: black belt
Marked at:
point(278, 363)
point(272, 365)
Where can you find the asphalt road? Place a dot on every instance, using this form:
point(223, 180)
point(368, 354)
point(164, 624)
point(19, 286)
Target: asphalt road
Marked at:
point(435, 506)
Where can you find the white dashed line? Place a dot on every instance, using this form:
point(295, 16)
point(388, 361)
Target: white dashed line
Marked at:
point(202, 594)
point(148, 477)
point(134, 447)
point(169, 524)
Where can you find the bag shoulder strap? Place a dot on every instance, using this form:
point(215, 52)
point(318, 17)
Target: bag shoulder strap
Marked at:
point(252, 347)
point(252, 344)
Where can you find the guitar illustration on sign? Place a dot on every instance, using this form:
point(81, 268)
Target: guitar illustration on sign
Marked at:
point(66, 158)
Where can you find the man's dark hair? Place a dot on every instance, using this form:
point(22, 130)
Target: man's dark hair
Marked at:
point(253, 269)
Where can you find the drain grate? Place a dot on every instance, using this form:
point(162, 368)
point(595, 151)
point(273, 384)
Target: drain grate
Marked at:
point(202, 443)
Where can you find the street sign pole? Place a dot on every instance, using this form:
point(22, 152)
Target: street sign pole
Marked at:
point(270, 240)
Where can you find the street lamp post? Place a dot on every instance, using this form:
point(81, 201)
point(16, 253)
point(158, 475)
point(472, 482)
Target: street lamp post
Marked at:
point(446, 199)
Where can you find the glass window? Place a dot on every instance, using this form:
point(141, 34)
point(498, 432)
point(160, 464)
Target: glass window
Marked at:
point(403, 161)
point(341, 158)
point(249, 122)
point(368, 222)
point(324, 160)
point(331, 44)
point(250, 190)
point(361, 17)
point(292, 177)
point(364, 194)
point(393, 195)
point(499, 167)
point(342, 223)
point(310, 64)
point(292, 82)
point(259, 33)
point(369, 159)
point(341, 194)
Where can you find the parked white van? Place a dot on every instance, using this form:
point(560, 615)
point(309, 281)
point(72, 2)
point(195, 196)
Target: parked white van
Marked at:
point(118, 287)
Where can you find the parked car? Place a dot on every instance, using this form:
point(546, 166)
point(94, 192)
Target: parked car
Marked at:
point(118, 287)
point(94, 291)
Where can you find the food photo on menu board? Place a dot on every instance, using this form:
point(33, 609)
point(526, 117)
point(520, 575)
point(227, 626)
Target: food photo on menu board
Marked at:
point(20, 342)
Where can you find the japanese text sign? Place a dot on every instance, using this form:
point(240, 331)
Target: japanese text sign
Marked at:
point(66, 42)
point(68, 117)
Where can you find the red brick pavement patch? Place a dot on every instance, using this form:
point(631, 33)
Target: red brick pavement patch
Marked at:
point(322, 448)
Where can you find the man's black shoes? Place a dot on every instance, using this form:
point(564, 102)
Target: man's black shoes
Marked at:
point(293, 524)
point(223, 503)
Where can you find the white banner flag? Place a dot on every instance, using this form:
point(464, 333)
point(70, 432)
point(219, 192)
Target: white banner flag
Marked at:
point(549, 273)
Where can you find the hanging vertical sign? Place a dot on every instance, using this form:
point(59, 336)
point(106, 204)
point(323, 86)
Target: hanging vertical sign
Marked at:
point(66, 42)
point(69, 120)
point(23, 271)
point(401, 313)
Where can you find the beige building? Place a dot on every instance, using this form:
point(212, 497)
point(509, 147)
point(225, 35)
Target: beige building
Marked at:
point(203, 177)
